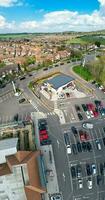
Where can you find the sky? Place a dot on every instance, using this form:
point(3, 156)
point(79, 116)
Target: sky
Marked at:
point(51, 15)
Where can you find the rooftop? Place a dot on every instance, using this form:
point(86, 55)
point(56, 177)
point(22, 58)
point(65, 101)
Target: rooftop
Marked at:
point(8, 143)
point(59, 80)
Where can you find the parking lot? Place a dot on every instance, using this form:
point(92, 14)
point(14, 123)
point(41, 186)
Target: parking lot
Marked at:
point(86, 110)
point(87, 163)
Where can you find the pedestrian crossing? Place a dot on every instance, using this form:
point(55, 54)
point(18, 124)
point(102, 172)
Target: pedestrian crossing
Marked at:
point(51, 113)
point(10, 118)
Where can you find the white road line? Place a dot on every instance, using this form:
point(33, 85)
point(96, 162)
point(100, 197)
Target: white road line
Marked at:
point(64, 178)
point(58, 143)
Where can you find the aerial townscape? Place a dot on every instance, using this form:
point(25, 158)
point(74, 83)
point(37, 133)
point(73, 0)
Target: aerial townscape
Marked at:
point(52, 100)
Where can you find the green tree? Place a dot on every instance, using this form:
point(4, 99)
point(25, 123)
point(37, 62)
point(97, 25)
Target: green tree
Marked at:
point(97, 43)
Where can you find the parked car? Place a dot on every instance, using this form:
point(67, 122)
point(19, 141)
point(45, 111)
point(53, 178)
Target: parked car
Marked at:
point(67, 143)
point(74, 148)
point(77, 107)
point(88, 114)
point(84, 146)
point(93, 169)
point(89, 146)
point(22, 78)
point(98, 144)
point(98, 179)
point(101, 168)
point(80, 183)
point(45, 69)
point(95, 113)
point(84, 107)
point(56, 197)
point(80, 116)
point(88, 169)
point(104, 129)
point(87, 125)
point(74, 130)
point(73, 171)
point(79, 147)
point(89, 183)
point(103, 140)
point(42, 124)
point(22, 100)
point(84, 135)
point(79, 171)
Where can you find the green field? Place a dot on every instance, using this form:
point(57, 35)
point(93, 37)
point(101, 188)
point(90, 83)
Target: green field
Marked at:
point(76, 41)
point(83, 72)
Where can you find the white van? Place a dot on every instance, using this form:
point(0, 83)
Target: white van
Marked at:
point(87, 125)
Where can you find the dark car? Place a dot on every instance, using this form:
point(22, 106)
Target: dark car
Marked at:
point(101, 168)
point(79, 147)
point(45, 69)
point(45, 142)
point(98, 179)
point(103, 140)
point(73, 172)
point(93, 82)
point(84, 107)
point(30, 74)
point(74, 130)
point(98, 103)
point(88, 169)
point(84, 146)
point(77, 108)
point(42, 124)
point(22, 78)
point(74, 148)
point(78, 171)
point(21, 100)
point(61, 63)
point(68, 61)
point(16, 117)
point(56, 65)
point(89, 146)
point(104, 129)
point(80, 116)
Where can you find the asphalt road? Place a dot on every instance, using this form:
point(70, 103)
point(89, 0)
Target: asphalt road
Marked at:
point(61, 158)
point(10, 106)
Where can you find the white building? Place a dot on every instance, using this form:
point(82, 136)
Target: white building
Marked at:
point(58, 86)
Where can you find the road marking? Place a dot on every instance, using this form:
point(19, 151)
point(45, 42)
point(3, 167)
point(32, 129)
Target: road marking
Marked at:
point(34, 105)
point(58, 143)
point(64, 178)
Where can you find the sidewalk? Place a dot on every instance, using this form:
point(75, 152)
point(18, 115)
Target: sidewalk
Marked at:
point(47, 151)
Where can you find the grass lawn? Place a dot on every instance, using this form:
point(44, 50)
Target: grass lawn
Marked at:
point(76, 41)
point(83, 72)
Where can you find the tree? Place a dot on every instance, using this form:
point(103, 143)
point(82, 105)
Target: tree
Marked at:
point(76, 54)
point(97, 43)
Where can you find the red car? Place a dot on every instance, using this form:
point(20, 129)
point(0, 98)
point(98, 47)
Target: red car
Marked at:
point(84, 136)
point(95, 113)
point(90, 106)
point(43, 132)
point(43, 137)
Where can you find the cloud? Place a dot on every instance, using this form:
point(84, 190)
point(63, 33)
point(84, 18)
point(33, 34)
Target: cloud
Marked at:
point(66, 21)
point(28, 25)
point(8, 3)
point(102, 2)
point(56, 21)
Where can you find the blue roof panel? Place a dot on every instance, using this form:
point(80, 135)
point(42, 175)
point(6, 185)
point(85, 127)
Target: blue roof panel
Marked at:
point(59, 80)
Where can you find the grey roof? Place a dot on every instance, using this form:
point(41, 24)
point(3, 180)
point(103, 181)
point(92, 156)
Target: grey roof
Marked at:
point(8, 143)
point(59, 80)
